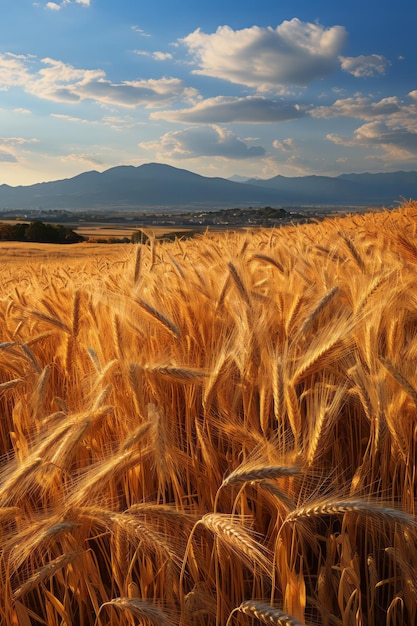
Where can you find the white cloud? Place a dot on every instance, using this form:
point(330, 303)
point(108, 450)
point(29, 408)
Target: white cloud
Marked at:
point(16, 141)
point(54, 6)
point(114, 122)
point(359, 107)
point(222, 109)
point(294, 53)
point(286, 145)
point(203, 141)
point(60, 82)
point(13, 71)
point(22, 111)
point(82, 159)
point(11, 148)
point(157, 56)
point(140, 31)
point(161, 56)
point(365, 66)
point(396, 143)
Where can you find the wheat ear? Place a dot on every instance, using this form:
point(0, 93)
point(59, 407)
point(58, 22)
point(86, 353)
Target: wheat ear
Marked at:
point(45, 573)
point(268, 259)
point(138, 258)
point(400, 379)
point(266, 614)
point(318, 309)
point(146, 612)
point(360, 507)
point(262, 472)
point(234, 536)
point(239, 283)
point(160, 317)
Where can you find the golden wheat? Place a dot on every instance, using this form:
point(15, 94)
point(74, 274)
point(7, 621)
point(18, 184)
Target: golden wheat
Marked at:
point(229, 421)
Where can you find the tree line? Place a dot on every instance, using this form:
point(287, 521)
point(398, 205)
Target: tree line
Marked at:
point(39, 232)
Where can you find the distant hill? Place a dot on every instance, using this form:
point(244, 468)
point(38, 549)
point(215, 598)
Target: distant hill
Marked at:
point(156, 186)
point(375, 189)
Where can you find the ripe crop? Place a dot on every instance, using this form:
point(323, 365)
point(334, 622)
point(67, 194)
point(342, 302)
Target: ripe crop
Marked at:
point(213, 431)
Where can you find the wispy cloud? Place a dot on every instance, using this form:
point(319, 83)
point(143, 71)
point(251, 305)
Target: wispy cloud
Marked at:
point(7, 157)
point(11, 148)
point(60, 82)
point(13, 70)
point(55, 6)
point(365, 66)
point(140, 31)
point(222, 109)
point(17, 141)
point(157, 56)
point(295, 53)
point(114, 122)
point(203, 141)
point(81, 158)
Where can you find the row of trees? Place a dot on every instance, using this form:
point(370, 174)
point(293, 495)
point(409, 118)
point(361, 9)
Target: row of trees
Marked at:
point(39, 232)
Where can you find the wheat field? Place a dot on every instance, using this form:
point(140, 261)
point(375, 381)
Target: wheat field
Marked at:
point(213, 432)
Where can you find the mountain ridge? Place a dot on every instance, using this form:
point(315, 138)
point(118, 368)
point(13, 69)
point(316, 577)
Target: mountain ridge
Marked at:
point(155, 186)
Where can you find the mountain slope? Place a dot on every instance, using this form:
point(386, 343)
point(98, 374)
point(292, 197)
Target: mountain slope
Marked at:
point(156, 186)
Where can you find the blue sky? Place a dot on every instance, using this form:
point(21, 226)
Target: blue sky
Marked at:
point(219, 88)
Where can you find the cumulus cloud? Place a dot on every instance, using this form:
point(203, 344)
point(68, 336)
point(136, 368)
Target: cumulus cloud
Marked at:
point(286, 145)
point(203, 141)
point(397, 143)
point(359, 107)
point(60, 82)
point(223, 109)
point(53, 6)
point(380, 134)
point(365, 66)
point(295, 53)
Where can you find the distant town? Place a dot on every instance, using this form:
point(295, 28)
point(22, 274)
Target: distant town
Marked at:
point(196, 220)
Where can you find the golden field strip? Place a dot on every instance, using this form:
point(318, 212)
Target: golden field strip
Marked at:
point(212, 432)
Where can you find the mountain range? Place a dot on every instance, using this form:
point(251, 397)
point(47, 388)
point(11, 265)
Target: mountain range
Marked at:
point(156, 186)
